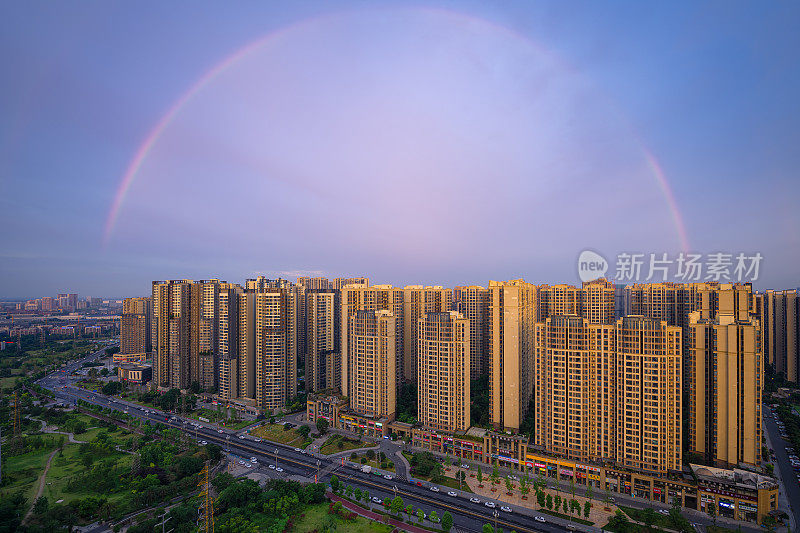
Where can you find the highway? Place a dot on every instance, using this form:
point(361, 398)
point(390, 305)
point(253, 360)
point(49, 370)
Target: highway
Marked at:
point(467, 516)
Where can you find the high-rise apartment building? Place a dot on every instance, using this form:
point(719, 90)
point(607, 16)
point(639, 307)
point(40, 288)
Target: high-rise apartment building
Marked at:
point(340, 283)
point(246, 371)
point(443, 371)
point(227, 345)
point(512, 315)
point(321, 329)
point(417, 301)
point(275, 347)
point(781, 327)
point(594, 301)
point(724, 391)
point(648, 355)
point(135, 327)
point(371, 344)
point(357, 297)
point(473, 303)
point(609, 392)
point(313, 283)
point(172, 316)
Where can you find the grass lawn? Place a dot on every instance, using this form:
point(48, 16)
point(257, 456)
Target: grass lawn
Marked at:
point(662, 521)
point(275, 433)
point(375, 463)
point(453, 484)
point(331, 445)
point(316, 516)
point(63, 467)
point(24, 470)
point(566, 517)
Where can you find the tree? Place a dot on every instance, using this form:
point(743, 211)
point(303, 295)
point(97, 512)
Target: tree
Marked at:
point(619, 522)
point(371, 454)
point(41, 506)
point(397, 505)
point(366, 495)
point(509, 485)
point(334, 483)
point(409, 510)
point(495, 472)
point(434, 517)
point(540, 498)
point(322, 425)
point(420, 516)
point(304, 431)
point(557, 502)
point(566, 506)
point(587, 507)
point(479, 474)
point(649, 517)
point(712, 512)
point(447, 521)
point(549, 501)
point(487, 528)
point(358, 494)
point(589, 492)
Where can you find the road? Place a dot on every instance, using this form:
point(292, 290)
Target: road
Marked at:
point(467, 516)
point(783, 468)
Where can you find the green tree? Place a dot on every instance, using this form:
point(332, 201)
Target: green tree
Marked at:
point(557, 502)
point(540, 498)
point(487, 528)
point(370, 454)
point(549, 501)
point(589, 492)
point(409, 510)
point(334, 483)
point(565, 506)
point(509, 485)
point(434, 517)
point(447, 521)
point(587, 507)
point(41, 505)
point(649, 517)
point(322, 426)
point(619, 522)
point(420, 516)
point(479, 475)
point(304, 431)
point(495, 472)
point(358, 494)
point(397, 505)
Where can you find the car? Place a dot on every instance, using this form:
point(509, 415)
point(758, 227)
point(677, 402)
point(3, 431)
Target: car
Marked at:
point(540, 519)
point(253, 460)
point(465, 466)
point(490, 505)
point(241, 463)
point(248, 465)
point(572, 527)
point(377, 500)
point(387, 476)
point(257, 439)
point(272, 467)
point(241, 437)
point(302, 451)
point(452, 493)
point(278, 469)
point(297, 449)
point(203, 442)
point(219, 431)
point(663, 511)
point(434, 489)
point(506, 509)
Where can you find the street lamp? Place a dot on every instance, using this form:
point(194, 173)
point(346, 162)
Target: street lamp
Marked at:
point(276, 458)
point(495, 513)
point(316, 480)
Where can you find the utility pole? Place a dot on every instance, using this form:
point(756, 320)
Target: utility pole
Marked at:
point(206, 510)
point(276, 458)
point(495, 513)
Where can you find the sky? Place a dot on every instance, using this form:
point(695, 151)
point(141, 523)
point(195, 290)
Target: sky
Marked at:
point(412, 142)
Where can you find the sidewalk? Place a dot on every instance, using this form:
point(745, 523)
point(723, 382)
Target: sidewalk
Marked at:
point(350, 506)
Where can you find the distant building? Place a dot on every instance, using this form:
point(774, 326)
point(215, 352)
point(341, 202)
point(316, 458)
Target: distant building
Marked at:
point(137, 374)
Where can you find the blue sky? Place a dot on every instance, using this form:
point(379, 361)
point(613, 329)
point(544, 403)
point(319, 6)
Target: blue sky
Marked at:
point(424, 142)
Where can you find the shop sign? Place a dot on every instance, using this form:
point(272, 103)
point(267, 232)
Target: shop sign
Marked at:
point(748, 507)
point(566, 472)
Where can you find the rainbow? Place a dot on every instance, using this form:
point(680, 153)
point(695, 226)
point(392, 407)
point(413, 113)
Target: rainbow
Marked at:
point(155, 134)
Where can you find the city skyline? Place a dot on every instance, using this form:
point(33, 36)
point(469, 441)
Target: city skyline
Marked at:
point(437, 144)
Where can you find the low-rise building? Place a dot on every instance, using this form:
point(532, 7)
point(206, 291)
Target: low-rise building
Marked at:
point(136, 374)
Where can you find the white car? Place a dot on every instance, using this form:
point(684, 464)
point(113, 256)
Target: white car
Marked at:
point(452, 493)
point(297, 449)
point(241, 463)
point(272, 467)
point(490, 505)
point(203, 442)
point(540, 519)
point(434, 489)
point(377, 500)
point(248, 465)
point(241, 437)
point(387, 476)
point(506, 509)
point(663, 511)
point(465, 466)
point(253, 460)
point(219, 431)
point(278, 469)
point(257, 439)
point(474, 500)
